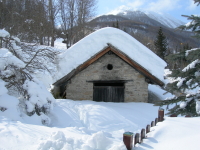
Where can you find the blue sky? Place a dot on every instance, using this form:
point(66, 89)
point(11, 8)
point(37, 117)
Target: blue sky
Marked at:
point(175, 8)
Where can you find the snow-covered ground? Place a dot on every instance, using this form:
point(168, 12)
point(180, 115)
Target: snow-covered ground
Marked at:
point(89, 125)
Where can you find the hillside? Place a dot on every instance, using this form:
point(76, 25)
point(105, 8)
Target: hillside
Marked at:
point(144, 27)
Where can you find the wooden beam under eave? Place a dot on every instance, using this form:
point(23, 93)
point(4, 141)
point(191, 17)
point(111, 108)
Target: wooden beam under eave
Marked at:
point(90, 61)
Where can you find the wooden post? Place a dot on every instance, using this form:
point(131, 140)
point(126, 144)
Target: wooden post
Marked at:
point(137, 139)
point(152, 124)
point(156, 121)
point(128, 140)
point(147, 128)
point(160, 114)
point(173, 115)
point(142, 134)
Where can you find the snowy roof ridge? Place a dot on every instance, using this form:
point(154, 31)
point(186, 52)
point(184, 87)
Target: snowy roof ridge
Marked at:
point(98, 40)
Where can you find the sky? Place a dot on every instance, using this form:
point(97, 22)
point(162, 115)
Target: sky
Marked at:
point(175, 8)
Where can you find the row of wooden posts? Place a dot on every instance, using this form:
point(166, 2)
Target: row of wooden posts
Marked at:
point(138, 138)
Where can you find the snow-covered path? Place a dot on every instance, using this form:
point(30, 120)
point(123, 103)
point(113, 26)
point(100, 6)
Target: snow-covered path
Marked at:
point(173, 134)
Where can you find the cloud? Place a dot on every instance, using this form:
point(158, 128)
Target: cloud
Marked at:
point(164, 5)
point(192, 6)
point(136, 3)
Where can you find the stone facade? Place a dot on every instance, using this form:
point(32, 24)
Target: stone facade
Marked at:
point(136, 89)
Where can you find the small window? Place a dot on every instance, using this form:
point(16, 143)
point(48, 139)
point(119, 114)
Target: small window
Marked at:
point(109, 67)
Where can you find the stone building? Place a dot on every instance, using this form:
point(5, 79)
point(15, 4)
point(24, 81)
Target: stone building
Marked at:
point(109, 75)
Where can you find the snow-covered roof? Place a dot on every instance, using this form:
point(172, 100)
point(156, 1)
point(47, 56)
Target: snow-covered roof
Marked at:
point(97, 41)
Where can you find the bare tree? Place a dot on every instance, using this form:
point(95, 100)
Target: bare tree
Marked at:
point(53, 9)
point(86, 10)
point(68, 16)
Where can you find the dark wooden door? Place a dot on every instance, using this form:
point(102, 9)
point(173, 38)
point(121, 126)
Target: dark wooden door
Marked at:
point(108, 93)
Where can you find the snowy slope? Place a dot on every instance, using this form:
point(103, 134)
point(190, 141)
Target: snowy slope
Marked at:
point(163, 18)
point(97, 41)
point(173, 134)
point(88, 125)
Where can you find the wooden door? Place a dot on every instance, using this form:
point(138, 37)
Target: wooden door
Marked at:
point(108, 92)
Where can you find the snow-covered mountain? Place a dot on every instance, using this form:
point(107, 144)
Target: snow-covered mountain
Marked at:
point(147, 16)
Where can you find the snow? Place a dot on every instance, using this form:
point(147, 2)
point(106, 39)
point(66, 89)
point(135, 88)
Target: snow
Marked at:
point(173, 134)
point(89, 125)
point(191, 65)
point(4, 34)
point(183, 105)
point(37, 93)
point(59, 45)
point(180, 82)
point(8, 103)
point(8, 58)
point(97, 41)
point(164, 18)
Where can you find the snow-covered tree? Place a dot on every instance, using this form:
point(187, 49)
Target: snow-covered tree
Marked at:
point(18, 64)
point(186, 82)
point(161, 44)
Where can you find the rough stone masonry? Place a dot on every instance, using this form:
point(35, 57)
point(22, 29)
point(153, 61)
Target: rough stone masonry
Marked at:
point(136, 89)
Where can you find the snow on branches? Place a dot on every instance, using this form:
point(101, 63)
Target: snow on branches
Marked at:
point(186, 86)
point(19, 63)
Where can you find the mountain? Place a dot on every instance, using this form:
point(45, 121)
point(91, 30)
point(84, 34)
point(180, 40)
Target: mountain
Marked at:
point(144, 25)
point(147, 16)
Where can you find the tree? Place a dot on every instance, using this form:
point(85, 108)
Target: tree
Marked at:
point(161, 44)
point(186, 81)
point(85, 12)
point(19, 62)
point(178, 60)
point(116, 25)
point(68, 12)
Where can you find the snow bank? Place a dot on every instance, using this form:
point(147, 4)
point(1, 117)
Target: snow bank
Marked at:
point(8, 104)
point(88, 125)
point(4, 33)
point(97, 41)
point(38, 95)
point(173, 134)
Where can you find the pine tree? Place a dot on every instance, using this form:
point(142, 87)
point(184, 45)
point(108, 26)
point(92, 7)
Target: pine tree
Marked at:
point(161, 44)
point(178, 60)
point(186, 81)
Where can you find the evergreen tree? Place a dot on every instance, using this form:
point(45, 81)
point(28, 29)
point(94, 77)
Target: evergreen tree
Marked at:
point(161, 44)
point(178, 60)
point(186, 81)
point(115, 25)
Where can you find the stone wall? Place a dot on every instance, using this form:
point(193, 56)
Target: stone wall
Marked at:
point(136, 90)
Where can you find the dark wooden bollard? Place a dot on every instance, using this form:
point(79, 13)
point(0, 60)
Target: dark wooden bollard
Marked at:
point(142, 134)
point(173, 115)
point(156, 121)
point(160, 114)
point(148, 128)
point(137, 138)
point(128, 140)
point(152, 124)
